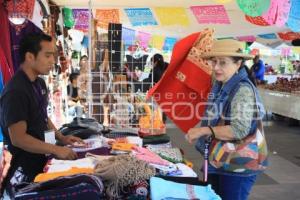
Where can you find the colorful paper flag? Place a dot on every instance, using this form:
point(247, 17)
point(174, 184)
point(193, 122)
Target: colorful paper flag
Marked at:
point(286, 51)
point(254, 8)
point(278, 12)
point(222, 1)
point(294, 18)
point(81, 17)
point(260, 21)
point(215, 14)
point(268, 36)
point(106, 16)
point(289, 35)
point(172, 16)
point(157, 41)
point(169, 43)
point(68, 17)
point(248, 38)
point(128, 36)
point(143, 38)
point(140, 16)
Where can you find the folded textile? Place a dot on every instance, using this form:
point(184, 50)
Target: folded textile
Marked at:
point(148, 156)
point(156, 139)
point(61, 183)
point(186, 171)
point(121, 171)
point(64, 165)
point(122, 146)
point(99, 151)
point(75, 192)
point(171, 154)
point(162, 189)
point(48, 176)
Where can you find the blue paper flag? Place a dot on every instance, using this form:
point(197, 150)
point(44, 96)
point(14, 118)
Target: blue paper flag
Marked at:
point(140, 16)
point(128, 36)
point(294, 17)
point(169, 43)
point(268, 36)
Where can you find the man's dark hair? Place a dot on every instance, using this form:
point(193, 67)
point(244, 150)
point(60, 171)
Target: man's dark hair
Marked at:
point(73, 76)
point(32, 43)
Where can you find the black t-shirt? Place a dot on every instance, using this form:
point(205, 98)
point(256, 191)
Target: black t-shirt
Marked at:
point(72, 91)
point(24, 100)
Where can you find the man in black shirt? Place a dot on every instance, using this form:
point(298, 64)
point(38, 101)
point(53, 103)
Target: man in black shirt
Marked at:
point(23, 113)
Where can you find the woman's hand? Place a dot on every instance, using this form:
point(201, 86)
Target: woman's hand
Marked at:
point(195, 133)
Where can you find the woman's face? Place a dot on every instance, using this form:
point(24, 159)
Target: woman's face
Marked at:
point(223, 67)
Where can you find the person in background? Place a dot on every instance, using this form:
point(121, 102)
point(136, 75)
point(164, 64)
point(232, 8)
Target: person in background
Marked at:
point(232, 96)
point(75, 108)
point(258, 69)
point(159, 67)
point(23, 114)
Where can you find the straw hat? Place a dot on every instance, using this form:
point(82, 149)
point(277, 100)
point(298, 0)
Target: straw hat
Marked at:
point(227, 47)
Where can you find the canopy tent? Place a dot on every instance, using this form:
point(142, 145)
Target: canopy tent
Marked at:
point(239, 25)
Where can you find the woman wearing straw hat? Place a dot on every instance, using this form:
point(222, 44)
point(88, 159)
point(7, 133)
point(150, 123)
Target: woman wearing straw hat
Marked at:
point(230, 117)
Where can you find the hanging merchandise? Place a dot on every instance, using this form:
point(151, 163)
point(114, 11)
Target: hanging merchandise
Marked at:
point(68, 17)
point(81, 17)
point(37, 16)
point(172, 16)
point(254, 8)
point(5, 43)
point(215, 14)
point(106, 16)
point(294, 17)
point(278, 12)
point(20, 8)
point(260, 21)
point(141, 16)
point(17, 33)
point(114, 46)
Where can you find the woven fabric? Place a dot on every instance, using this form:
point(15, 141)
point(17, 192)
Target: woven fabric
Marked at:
point(171, 154)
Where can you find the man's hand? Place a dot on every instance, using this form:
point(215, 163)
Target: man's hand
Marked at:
point(64, 153)
point(70, 140)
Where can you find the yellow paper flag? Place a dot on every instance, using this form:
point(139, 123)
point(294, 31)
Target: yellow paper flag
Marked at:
point(223, 1)
point(296, 50)
point(172, 16)
point(157, 41)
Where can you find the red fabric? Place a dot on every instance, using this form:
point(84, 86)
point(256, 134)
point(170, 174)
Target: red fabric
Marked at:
point(5, 57)
point(5, 69)
point(180, 100)
point(22, 7)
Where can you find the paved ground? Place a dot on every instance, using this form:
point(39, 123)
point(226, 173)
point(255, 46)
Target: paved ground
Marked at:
point(282, 179)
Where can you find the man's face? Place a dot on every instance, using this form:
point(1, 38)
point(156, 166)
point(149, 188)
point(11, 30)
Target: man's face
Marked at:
point(45, 59)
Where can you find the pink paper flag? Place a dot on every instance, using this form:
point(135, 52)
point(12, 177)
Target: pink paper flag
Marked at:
point(278, 12)
point(286, 51)
point(214, 14)
point(143, 38)
point(249, 38)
